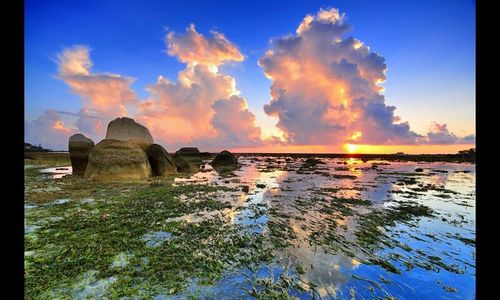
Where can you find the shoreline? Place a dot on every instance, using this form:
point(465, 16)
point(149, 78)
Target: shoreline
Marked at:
point(364, 157)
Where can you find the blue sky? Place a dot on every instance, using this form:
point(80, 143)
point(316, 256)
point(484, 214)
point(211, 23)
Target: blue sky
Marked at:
point(429, 47)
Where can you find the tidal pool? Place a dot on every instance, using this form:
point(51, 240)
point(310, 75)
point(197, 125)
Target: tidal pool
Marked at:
point(58, 172)
point(277, 227)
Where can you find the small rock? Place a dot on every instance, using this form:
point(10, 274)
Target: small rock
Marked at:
point(449, 289)
point(419, 170)
point(245, 189)
point(314, 161)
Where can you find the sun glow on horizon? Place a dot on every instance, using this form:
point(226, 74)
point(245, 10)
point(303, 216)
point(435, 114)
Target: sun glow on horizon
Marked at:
point(350, 148)
point(359, 149)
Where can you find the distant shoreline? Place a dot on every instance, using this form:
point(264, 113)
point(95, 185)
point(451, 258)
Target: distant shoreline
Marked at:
point(389, 157)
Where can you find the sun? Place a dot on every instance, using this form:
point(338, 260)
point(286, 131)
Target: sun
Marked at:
point(350, 148)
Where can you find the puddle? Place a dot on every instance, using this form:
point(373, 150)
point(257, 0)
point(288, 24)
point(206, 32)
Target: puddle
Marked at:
point(155, 239)
point(61, 201)
point(89, 287)
point(121, 260)
point(58, 172)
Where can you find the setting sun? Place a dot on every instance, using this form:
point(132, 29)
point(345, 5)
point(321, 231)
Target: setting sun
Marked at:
point(350, 148)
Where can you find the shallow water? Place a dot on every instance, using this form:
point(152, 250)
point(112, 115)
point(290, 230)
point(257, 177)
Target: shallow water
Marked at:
point(58, 172)
point(340, 229)
point(433, 262)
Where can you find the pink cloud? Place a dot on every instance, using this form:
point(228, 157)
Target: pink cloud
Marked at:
point(107, 93)
point(326, 90)
point(194, 48)
point(440, 135)
point(196, 108)
point(326, 87)
point(48, 130)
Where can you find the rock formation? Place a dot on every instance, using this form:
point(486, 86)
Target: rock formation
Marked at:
point(187, 159)
point(79, 151)
point(161, 162)
point(114, 159)
point(126, 129)
point(225, 159)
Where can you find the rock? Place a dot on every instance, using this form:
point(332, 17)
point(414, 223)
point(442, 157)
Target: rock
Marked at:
point(126, 129)
point(313, 161)
point(189, 155)
point(183, 165)
point(419, 170)
point(79, 150)
point(205, 154)
point(114, 159)
point(188, 151)
point(260, 185)
point(245, 188)
point(161, 162)
point(225, 159)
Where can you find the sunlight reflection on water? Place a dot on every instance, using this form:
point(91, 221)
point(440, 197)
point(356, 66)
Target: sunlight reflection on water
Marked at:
point(282, 184)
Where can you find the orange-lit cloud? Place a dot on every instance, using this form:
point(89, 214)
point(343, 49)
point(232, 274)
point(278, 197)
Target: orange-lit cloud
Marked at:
point(107, 93)
point(235, 123)
point(203, 107)
point(194, 48)
point(58, 126)
point(48, 130)
point(326, 94)
point(326, 88)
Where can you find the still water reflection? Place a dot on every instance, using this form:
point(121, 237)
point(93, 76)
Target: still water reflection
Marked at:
point(354, 229)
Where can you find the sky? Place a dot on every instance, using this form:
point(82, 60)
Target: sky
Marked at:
point(255, 76)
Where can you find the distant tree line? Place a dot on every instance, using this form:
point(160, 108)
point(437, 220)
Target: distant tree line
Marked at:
point(470, 152)
point(34, 148)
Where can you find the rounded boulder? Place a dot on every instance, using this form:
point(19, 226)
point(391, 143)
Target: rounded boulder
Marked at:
point(225, 159)
point(128, 130)
point(116, 160)
point(79, 150)
point(161, 162)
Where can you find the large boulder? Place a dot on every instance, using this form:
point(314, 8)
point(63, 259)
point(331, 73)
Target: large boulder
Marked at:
point(79, 151)
point(181, 164)
point(188, 151)
point(126, 129)
point(191, 155)
point(161, 162)
point(114, 159)
point(224, 160)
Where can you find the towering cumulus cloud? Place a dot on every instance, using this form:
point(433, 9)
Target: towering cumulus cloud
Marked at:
point(326, 88)
point(203, 107)
point(325, 91)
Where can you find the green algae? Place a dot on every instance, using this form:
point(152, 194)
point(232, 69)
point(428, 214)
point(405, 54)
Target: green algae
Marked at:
point(94, 235)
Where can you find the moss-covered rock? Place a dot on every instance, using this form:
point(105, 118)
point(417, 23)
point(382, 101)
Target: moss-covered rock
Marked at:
point(161, 162)
point(79, 150)
point(224, 160)
point(114, 160)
